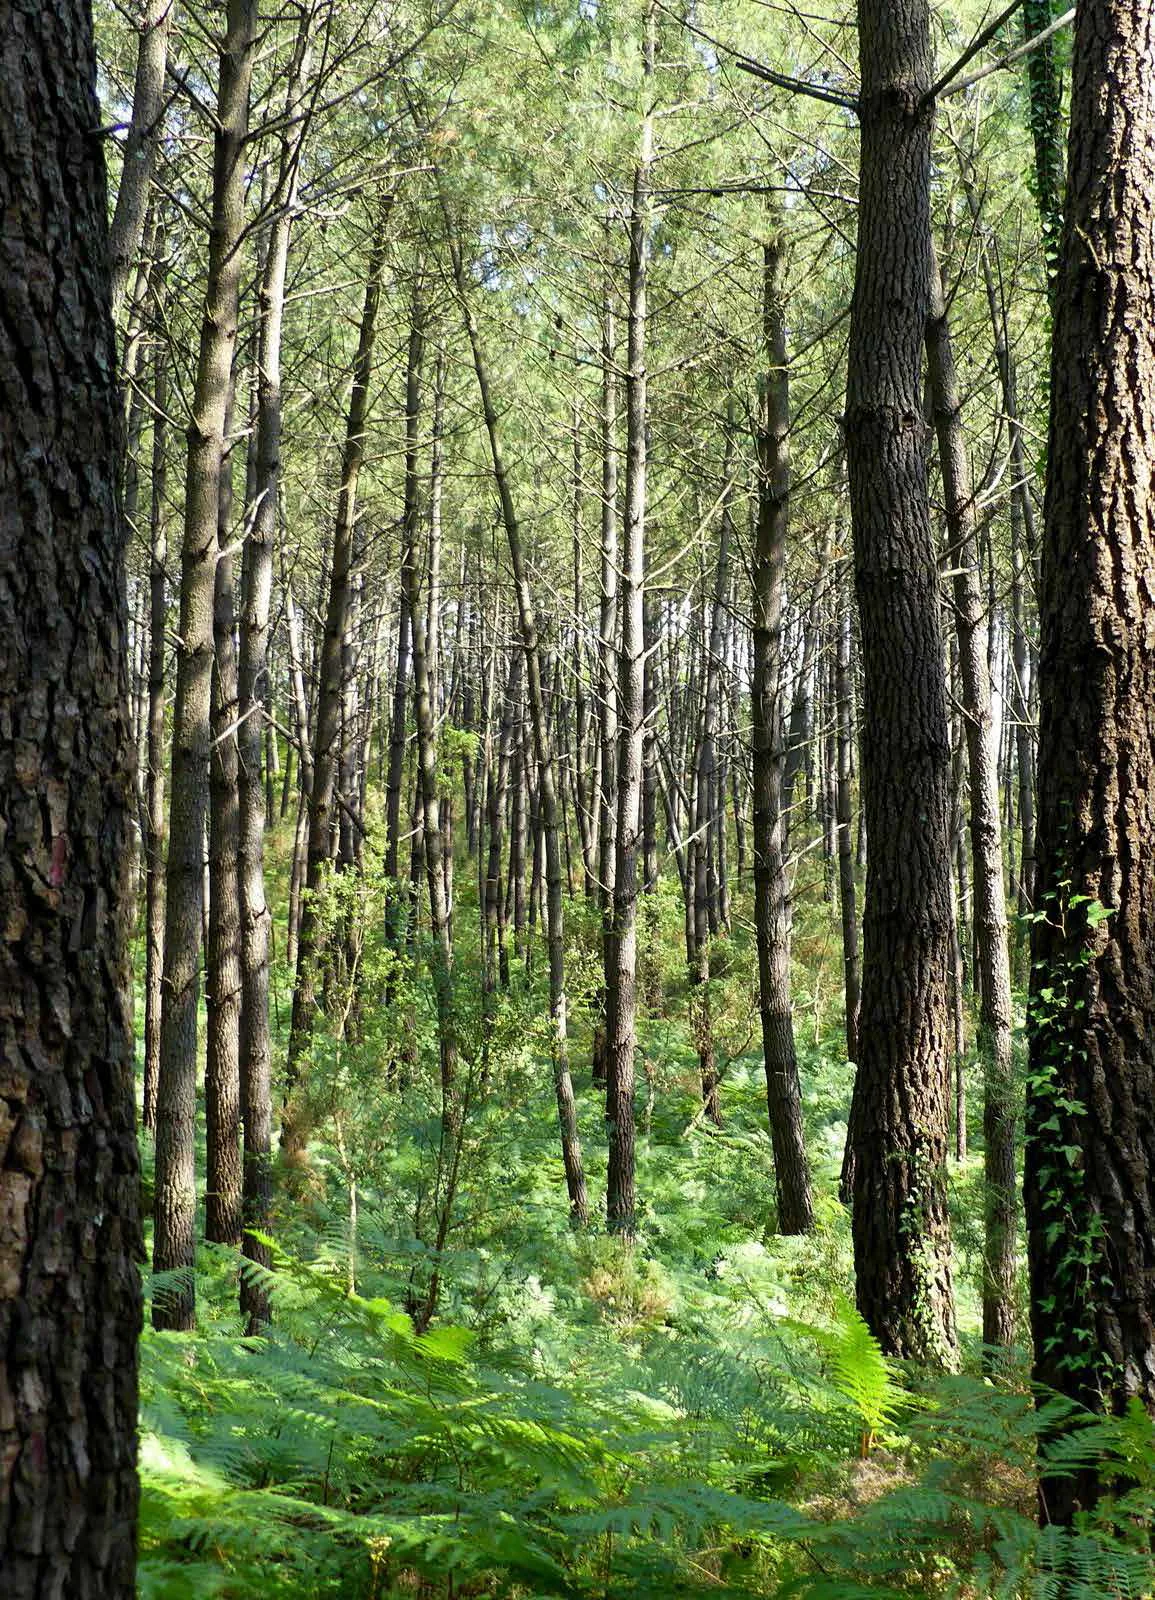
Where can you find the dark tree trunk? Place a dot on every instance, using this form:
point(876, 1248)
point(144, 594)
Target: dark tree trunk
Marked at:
point(771, 892)
point(69, 1193)
point(1090, 1169)
point(175, 1215)
point(899, 1115)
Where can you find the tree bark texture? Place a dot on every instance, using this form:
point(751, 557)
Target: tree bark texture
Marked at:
point(1090, 1161)
point(899, 1115)
point(69, 1193)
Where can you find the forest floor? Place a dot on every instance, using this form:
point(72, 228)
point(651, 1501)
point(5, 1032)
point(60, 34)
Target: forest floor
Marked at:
point(703, 1412)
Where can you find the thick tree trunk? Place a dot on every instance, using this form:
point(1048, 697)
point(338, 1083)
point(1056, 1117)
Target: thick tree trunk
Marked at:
point(175, 1215)
point(990, 913)
point(771, 892)
point(69, 1192)
point(1090, 1167)
point(899, 1116)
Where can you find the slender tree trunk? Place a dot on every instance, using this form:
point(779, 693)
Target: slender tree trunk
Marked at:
point(497, 780)
point(844, 697)
point(705, 781)
point(141, 143)
point(69, 1191)
point(607, 690)
point(899, 1115)
point(1045, 95)
point(547, 782)
point(622, 949)
point(175, 1215)
point(294, 1123)
point(449, 1154)
point(771, 893)
point(154, 844)
point(409, 534)
point(254, 686)
point(990, 914)
point(1090, 1164)
point(223, 953)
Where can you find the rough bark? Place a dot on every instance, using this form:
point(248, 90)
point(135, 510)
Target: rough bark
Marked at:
point(899, 1114)
point(69, 1194)
point(1090, 1166)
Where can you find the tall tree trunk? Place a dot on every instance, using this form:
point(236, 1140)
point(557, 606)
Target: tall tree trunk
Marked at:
point(141, 143)
point(607, 689)
point(175, 1215)
point(990, 913)
point(409, 534)
point(547, 781)
point(1090, 1167)
point(253, 690)
point(294, 1122)
point(622, 949)
point(705, 786)
point(771, 892)
point(223, 954)
point(154, 842)
point(449, 1153)
point(844, 712)
point(1024, 543)
point(899, 1115)
point(69, 1191)
point(498, 777)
